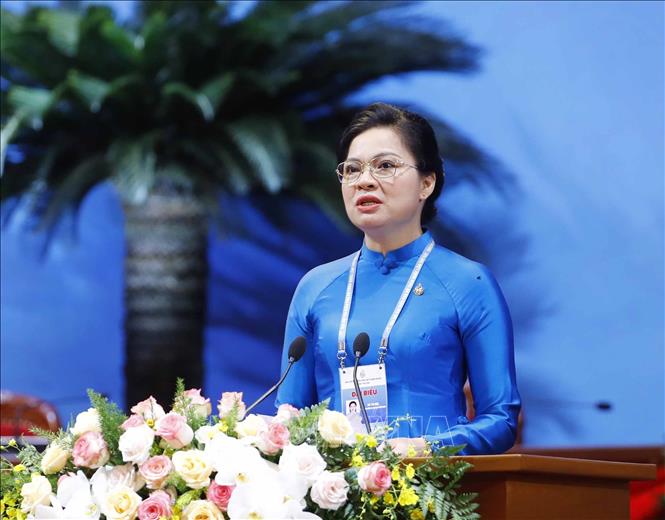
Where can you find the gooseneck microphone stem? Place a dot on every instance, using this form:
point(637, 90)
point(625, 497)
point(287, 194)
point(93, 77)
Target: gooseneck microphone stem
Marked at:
point(363, 410)
point(272, 389)
point(296, 351)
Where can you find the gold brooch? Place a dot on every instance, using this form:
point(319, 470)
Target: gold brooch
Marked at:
point(419, 290)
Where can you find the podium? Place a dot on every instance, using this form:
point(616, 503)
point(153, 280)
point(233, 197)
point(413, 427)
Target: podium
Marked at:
point(537, 487)
point(534, 487)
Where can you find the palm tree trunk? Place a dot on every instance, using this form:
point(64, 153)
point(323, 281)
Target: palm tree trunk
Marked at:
point(166, 271)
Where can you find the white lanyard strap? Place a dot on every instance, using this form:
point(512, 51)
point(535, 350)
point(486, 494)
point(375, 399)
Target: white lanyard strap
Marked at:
point(343, 324)
point(344, 321)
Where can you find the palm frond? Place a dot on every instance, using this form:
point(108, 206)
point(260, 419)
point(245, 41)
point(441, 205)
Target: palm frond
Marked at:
point(264, 144)
point(230, 102)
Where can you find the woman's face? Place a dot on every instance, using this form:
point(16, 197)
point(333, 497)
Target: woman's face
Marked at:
point(386, 205)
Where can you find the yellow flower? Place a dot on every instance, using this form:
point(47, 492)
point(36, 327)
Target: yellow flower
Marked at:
point(410, 472)
point(360, 437)
point(12, 443)
point(357, 461)
point(411, 451)
point(222, 427)
point(121, 503)
point(407, 497)
point(202, 510)
point(389, 498)
point(18, 468)
point(430, 506)
point(371, 441)
point(395, 474)
point(417, 514)
point(373, 499)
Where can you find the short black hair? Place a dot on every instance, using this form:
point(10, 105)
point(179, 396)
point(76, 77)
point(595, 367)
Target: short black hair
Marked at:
point(416, 134)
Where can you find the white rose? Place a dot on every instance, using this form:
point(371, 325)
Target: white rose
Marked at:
point(194, 466)
point(303, 460)
point(252, 426)
point(121, 503)
point(108, 477)
point(135, 443)
point(335, 428)
point(330, 489)
point(87, 421)
point(54, 459)
point(35, 493)
point(207, 433)
point(202, 510)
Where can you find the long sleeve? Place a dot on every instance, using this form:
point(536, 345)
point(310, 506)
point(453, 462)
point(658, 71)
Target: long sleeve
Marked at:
point(485, 330)
point(299, 387)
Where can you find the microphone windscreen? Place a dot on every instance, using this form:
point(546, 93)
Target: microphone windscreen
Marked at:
point(297, 348)
point(361, 344)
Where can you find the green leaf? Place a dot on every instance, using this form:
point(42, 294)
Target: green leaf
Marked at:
point(34, 102)
point(108, 50)
point(11, 127)
point(62, 27)
point(197, 99)
point(91, 90)
point(9, 21)
point(264, 145)
point(233, 172)
point(132, 164)
point(73, 188)
point(305, 425)
point(216, 89)
point(110, 420)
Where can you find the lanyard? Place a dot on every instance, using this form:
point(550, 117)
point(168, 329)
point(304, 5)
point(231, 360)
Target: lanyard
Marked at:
point(344, 322)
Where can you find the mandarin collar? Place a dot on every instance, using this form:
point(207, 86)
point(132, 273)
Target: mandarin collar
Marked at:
point(396, 256)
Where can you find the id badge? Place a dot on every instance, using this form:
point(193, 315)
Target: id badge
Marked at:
point(372, 382)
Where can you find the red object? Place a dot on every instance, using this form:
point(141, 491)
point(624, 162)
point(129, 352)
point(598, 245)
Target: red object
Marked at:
point(647, 498)
point(19, 413)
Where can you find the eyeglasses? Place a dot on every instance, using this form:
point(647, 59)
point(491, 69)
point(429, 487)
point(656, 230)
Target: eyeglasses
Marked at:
point(380, 168)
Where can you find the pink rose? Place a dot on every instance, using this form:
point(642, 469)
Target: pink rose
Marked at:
point(374, 478)
point(228, 400)
point(156, 506)
point(156, 470)
point(286, 412)
point(273, 439)
point(90, 450)
point(149, 409)
point(200, 404)
point(173, 428)
point(219, 495)
point(132, 422)
point(330, 490)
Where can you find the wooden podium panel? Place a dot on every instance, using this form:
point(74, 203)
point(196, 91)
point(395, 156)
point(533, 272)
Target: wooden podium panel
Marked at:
point(533, 487)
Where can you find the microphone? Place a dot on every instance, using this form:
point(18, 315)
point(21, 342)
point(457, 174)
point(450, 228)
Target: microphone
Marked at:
point(602, 406)
point(360, 348)
point(296, 351)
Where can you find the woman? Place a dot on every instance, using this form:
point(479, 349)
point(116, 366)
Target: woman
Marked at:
point(453, 320)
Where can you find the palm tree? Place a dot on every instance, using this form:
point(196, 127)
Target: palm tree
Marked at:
point(190, 100)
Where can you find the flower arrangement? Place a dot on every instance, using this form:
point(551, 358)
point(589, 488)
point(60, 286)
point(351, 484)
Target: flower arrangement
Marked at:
point(189, 465)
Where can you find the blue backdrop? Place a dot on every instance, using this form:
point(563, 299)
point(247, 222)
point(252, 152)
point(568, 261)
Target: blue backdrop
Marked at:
point(570, 99)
